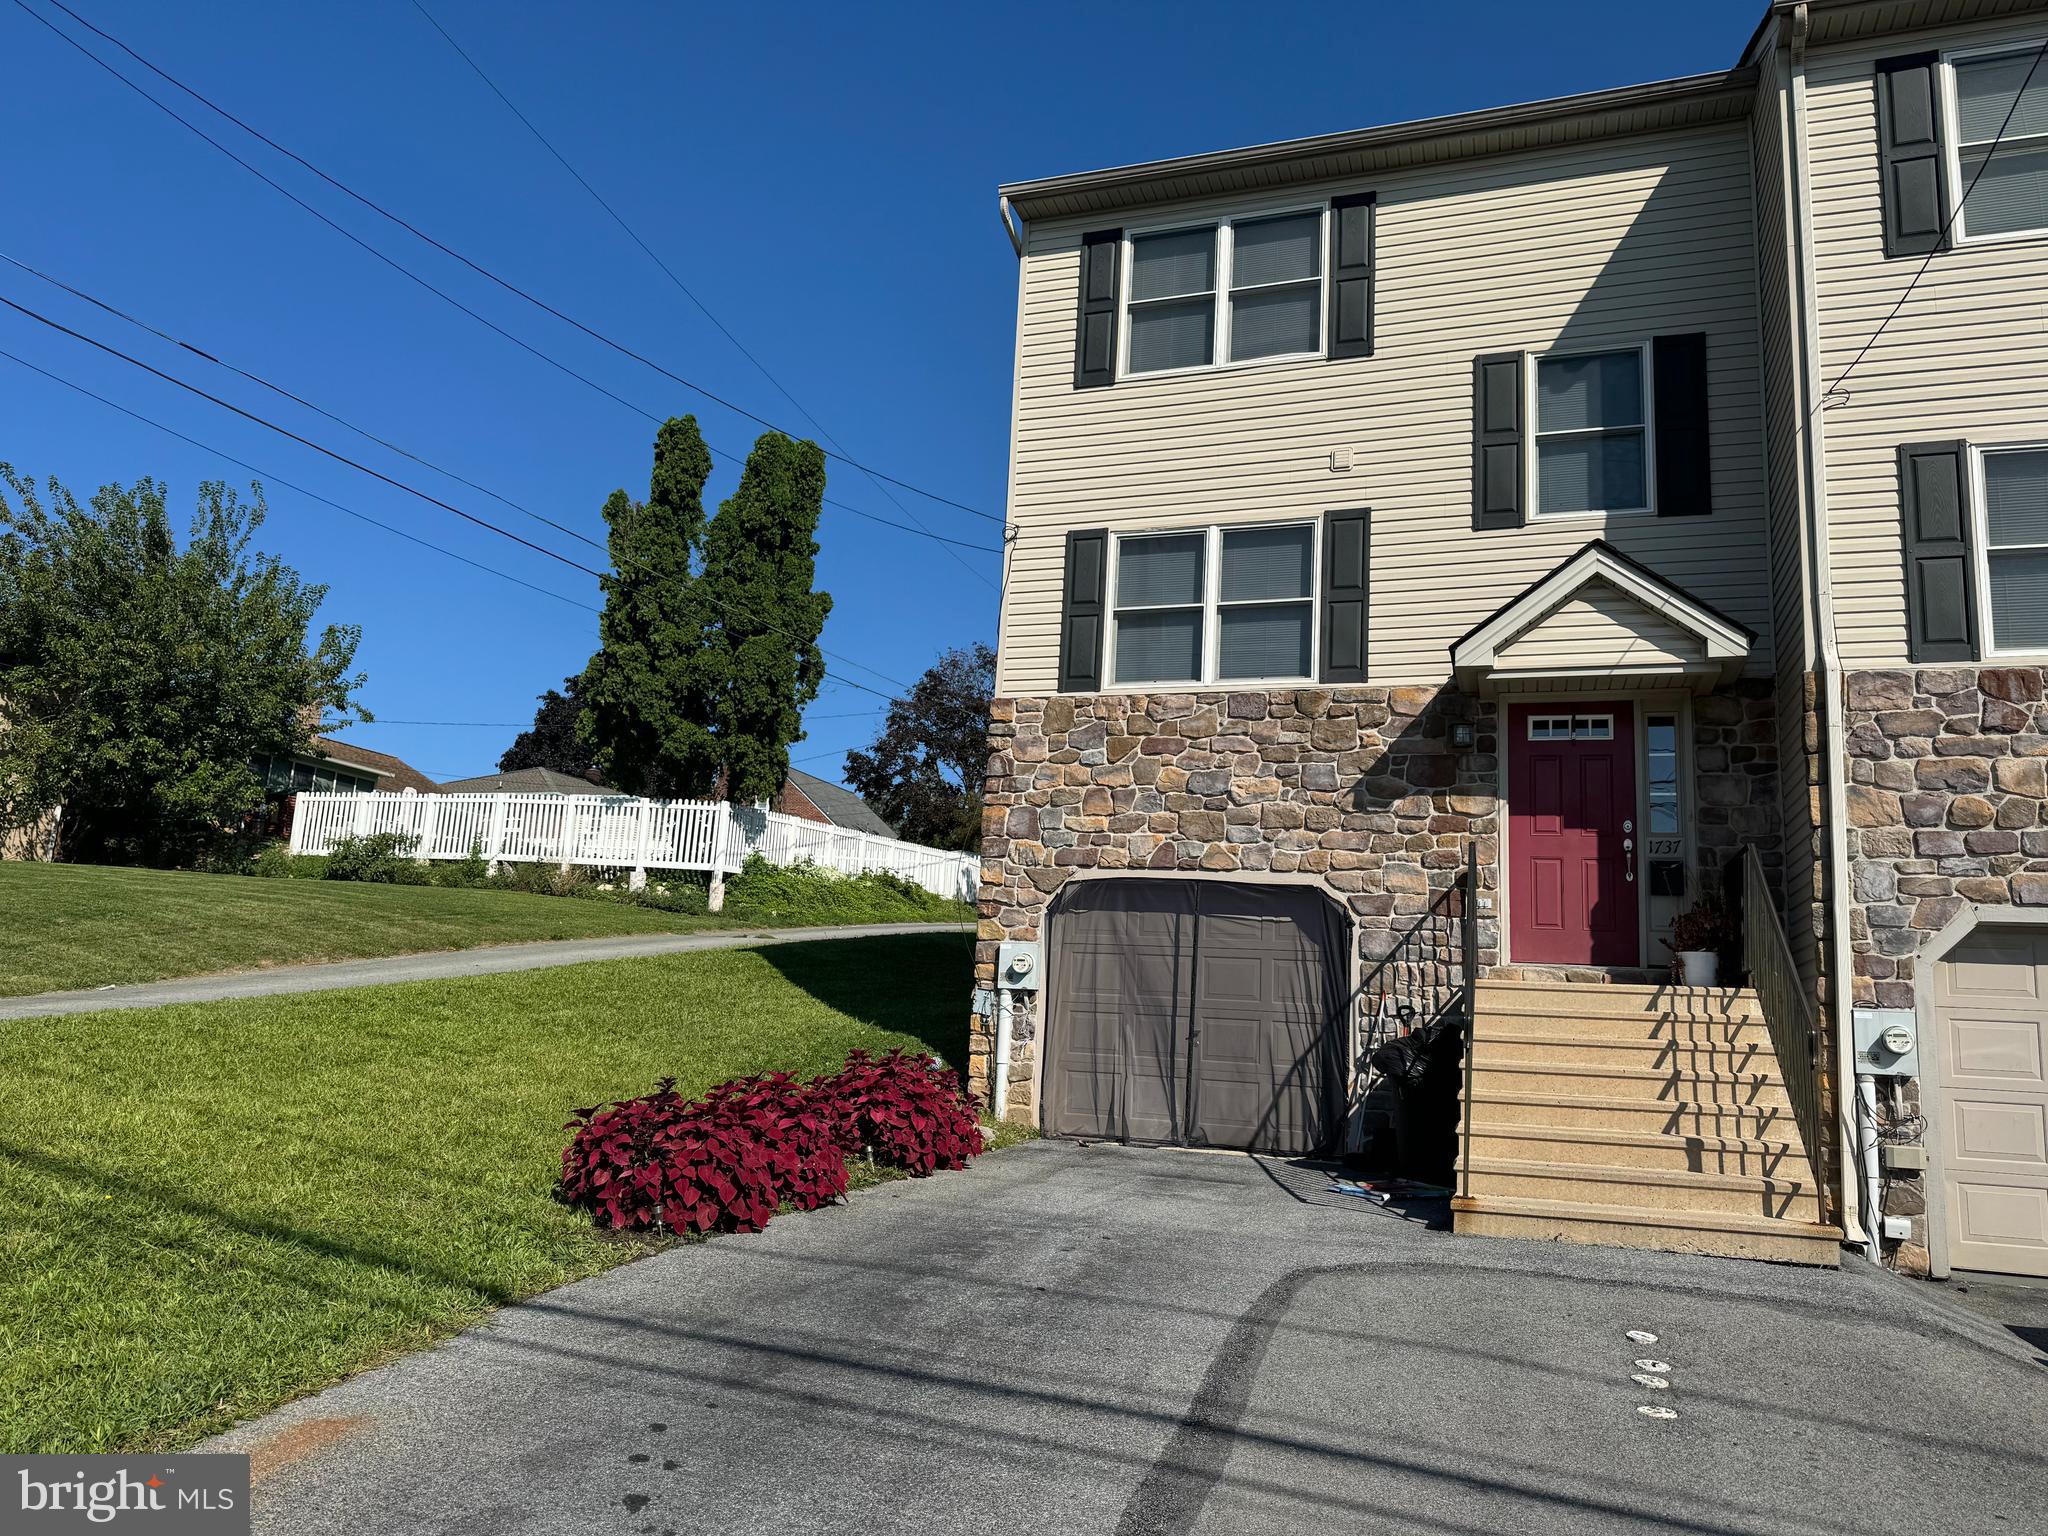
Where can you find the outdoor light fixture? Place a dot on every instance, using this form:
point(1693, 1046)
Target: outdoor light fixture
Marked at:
point(1462, 736)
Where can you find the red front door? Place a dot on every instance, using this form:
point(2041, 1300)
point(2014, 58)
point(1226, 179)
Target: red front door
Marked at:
point(1571, 835)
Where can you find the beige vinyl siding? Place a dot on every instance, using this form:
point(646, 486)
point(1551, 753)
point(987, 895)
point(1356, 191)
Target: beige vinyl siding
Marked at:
point(1795, 647)
point(1605, 244)
point(1966, 357)
point(1601, 627)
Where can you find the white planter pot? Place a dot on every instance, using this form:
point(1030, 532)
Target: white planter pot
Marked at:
point(1701, 967)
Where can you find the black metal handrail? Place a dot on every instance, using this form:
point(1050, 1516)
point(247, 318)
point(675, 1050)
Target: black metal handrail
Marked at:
point(1788, 1012)
point(1430, 968)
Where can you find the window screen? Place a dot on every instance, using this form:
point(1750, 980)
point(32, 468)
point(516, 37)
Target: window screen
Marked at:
point(2006, 190)
point(1159, 596)
point(1276, 287)
point(1173, 300)
point(1266, 618)
point(2016, 548)
point(1590, 437)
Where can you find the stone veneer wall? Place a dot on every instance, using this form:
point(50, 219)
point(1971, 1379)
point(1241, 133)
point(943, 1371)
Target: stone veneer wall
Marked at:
point(1948, 803)
point(1358, 786)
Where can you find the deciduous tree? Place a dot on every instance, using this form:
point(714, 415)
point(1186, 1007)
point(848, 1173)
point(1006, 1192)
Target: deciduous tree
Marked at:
point(552, 741)
point(923, 772)
point(142, 681)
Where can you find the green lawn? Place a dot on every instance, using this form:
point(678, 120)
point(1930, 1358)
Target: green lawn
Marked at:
point(80, 925)
point(212, 1208)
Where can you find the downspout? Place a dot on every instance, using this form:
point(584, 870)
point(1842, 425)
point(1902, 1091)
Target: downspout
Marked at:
point(1012, 225)
point(1794, 25)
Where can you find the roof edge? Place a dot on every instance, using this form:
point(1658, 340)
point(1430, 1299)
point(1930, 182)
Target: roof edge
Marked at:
point(1739, 79)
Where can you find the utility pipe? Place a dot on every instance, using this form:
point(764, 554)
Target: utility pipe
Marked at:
point(1001, 1075)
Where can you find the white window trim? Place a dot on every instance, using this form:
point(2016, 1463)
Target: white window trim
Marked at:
point(1531, 472)
point(1952, 135)
point(1220, 359)
point(1213, 605)
point(1980, 530)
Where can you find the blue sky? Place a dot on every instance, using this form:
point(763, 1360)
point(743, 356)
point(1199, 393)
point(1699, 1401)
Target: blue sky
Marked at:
point(822, 177)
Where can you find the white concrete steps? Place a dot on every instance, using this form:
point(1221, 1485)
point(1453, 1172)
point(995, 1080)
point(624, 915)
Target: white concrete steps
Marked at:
point(1645, 1116)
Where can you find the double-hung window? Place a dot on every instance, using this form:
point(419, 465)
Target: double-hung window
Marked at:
point(1592, 439)
point(1236, 291)
point(1215, 605)
point(2007, 191)
point(2015, 490)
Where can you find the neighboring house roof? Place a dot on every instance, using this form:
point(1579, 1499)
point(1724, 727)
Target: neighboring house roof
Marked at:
point(526, 781)
point(842, 807)
point(391, 773)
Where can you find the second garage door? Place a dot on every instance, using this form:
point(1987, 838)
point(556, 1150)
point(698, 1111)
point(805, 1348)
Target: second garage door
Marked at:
point(1991, 1028)
point(1200, 1012)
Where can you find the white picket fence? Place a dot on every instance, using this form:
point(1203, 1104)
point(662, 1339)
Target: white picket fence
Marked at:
point(621, 832)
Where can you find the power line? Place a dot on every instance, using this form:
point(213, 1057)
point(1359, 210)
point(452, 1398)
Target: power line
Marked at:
point(832, 678)
point(1834, 393)
point(382, 442)
point(420, 234)
point(495, 725)
point(288, 485)
point(669, 272)
point(410, 490)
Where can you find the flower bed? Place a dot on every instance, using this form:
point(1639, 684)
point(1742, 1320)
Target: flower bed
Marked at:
point(729, 1161)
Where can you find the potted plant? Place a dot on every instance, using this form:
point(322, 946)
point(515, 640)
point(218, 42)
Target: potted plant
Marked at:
point(1698, 935)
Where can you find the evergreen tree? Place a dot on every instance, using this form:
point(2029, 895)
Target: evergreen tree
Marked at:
point(757, 663)
point(640, 716)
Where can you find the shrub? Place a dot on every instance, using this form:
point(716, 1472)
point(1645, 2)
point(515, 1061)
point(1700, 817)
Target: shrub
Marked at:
point(908, 1112)
point(724, 1163)
point(805, 893)
point(543, 880)
point(729, 1161)
point(382, 858)
point(468, 873)
point(276, 861)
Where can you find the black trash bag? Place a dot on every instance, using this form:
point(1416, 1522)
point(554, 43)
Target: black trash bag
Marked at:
point(1424, 1068)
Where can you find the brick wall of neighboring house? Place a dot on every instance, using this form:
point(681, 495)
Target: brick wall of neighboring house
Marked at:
point(1356, 786)
point(1948, 803)
point(791, 801)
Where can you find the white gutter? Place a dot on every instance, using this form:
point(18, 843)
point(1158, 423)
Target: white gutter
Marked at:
point(1012, 225)
point(1793, 28)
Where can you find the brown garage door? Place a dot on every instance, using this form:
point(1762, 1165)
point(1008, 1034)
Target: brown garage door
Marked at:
point(1193, 1011)
point(1991, 1028)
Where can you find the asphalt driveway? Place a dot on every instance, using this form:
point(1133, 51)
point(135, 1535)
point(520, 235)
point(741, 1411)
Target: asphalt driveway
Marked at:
point(1096, 1339)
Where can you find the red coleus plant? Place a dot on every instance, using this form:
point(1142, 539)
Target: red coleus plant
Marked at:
point(909, 1112)
point(728, 1161)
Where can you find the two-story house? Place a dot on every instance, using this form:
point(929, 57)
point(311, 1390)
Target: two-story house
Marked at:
point(1443, 554)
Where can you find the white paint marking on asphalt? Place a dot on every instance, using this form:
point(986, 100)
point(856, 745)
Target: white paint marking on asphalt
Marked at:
point(1641, 1336)
point(1656, 1411)
point(1655, 1367)
point(1645, 1379)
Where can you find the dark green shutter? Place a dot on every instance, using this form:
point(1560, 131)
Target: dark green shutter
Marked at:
point(1347, 569)
point(1684, 475)
point(1497, 441)
point(1351, 262)
point(1934, 527)
point(1912, 164)
point(1081, 611)
point(1095, 337)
